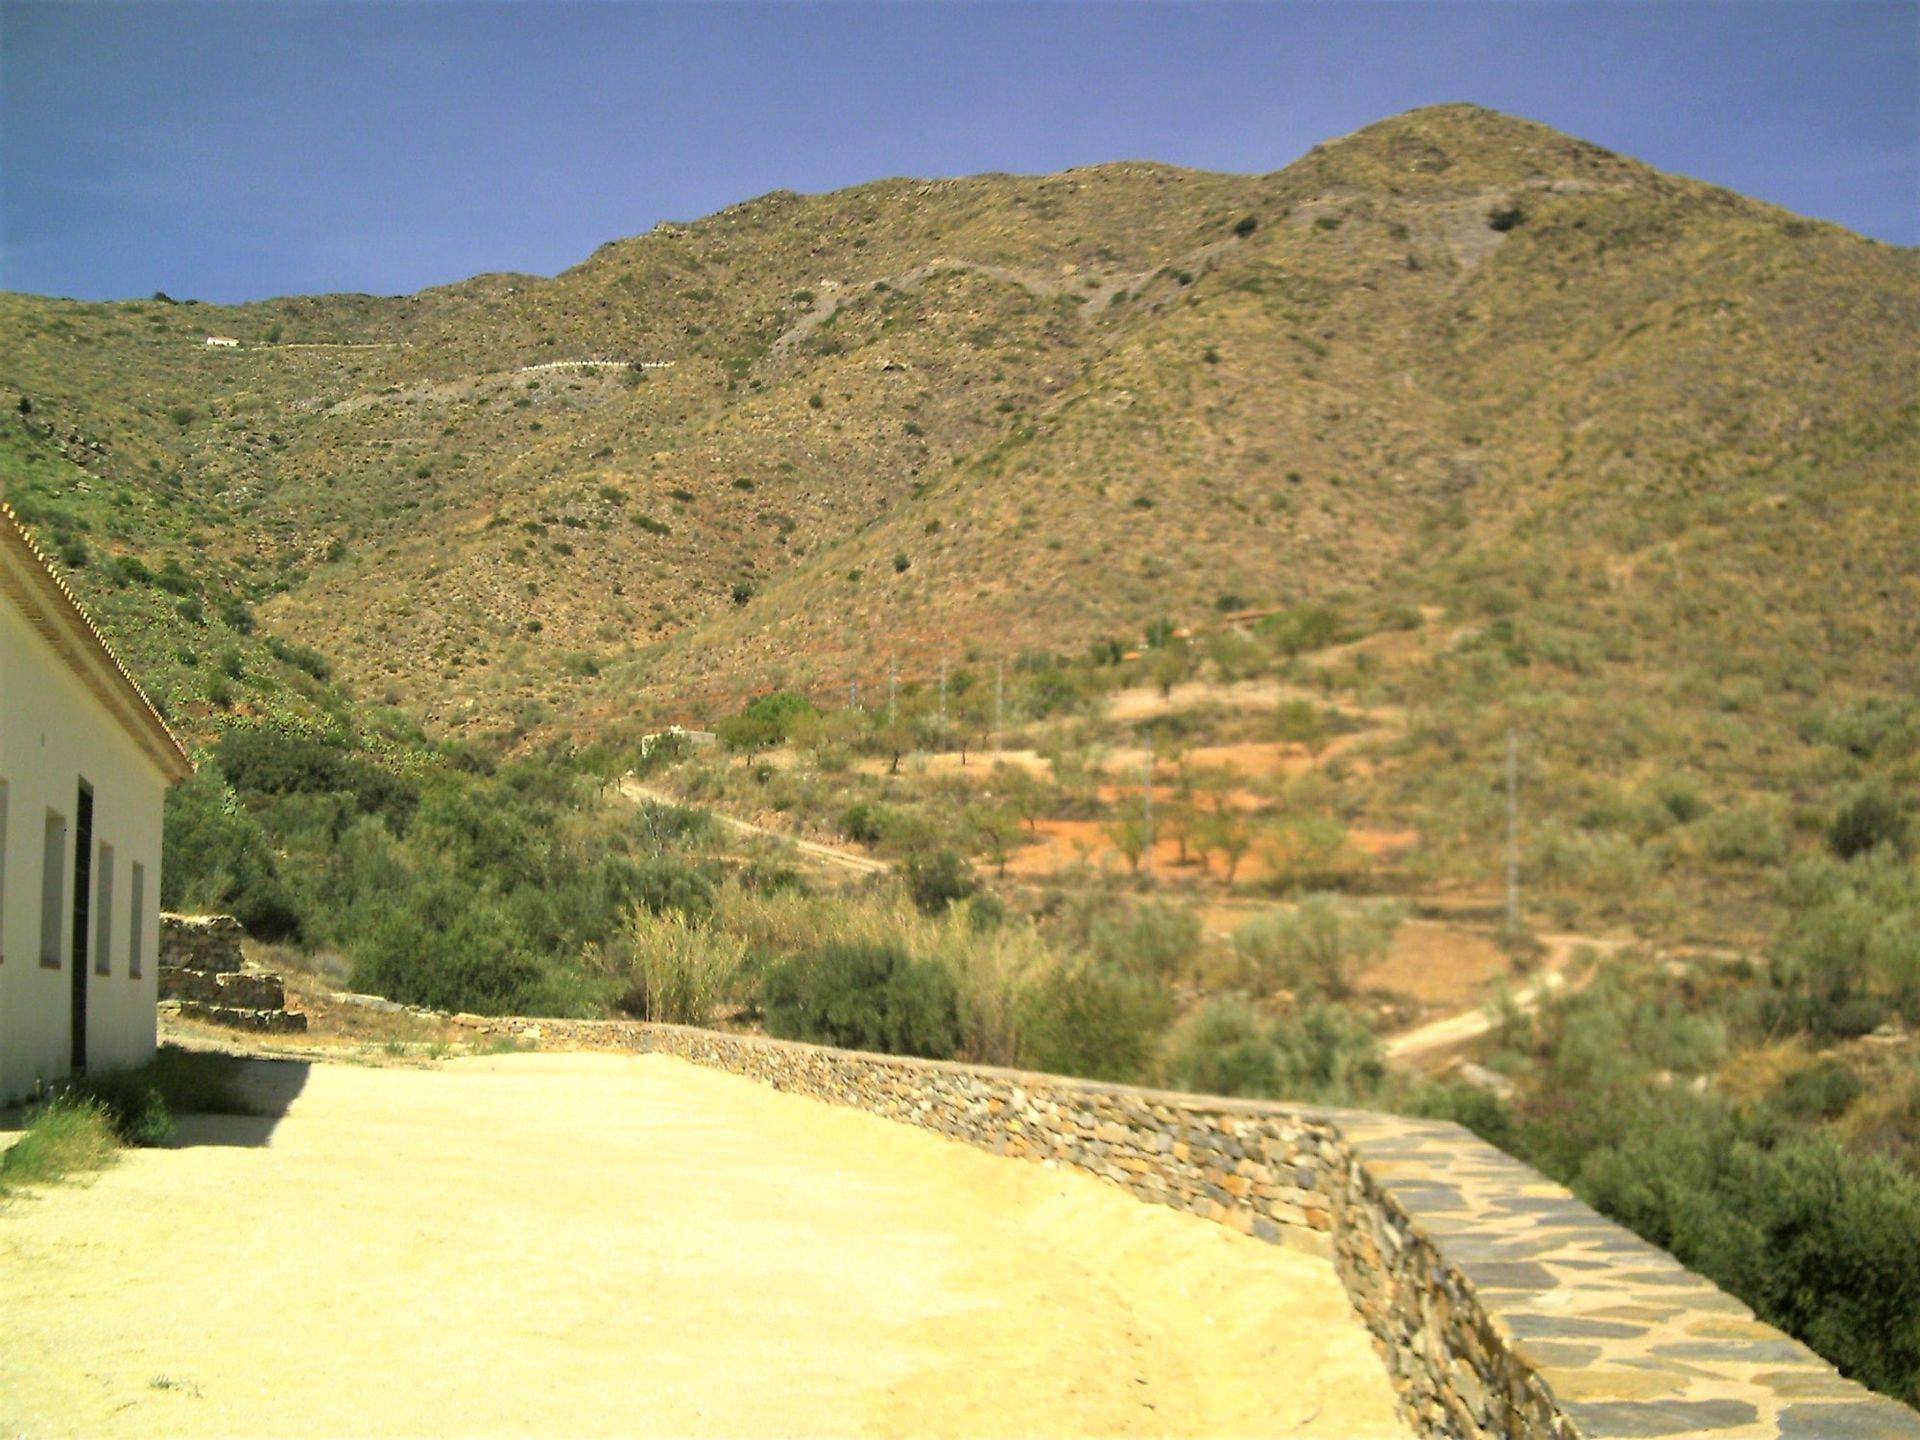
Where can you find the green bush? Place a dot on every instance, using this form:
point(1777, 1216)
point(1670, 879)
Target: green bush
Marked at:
point(1322, 942)
point(1820, 1241)
point(1869, 820)
point(864, 822)
point(1151, 939)
point(68, 1136)
point(132, 1104)
point(937, 878)
point(1093, 1020)
point(1323, 1054)
point(665, 883)
point(1821, 1091)
point(219, 859)
point(864, 996)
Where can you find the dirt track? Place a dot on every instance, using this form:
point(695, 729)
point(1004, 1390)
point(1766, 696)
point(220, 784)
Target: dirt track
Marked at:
point(598, 1244)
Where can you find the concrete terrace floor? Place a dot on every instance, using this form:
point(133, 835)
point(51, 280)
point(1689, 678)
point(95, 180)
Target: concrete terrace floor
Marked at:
point(584, 1244)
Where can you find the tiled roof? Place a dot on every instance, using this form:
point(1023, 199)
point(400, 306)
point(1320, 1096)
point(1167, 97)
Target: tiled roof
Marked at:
point(32, 584)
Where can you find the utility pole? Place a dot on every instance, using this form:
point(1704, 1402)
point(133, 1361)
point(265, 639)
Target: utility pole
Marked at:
point(1513, 833)
point(999, 703)
point(1146, 814)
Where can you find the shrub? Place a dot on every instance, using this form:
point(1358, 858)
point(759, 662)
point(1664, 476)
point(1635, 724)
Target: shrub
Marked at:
point(1752, 835)
point(1322, 942)
point(1154, 939)
point(70, 1135)
point(1093, 1020)
point(664, 885)
point(301, 657)
point(937, 878)
point(671, 968)
point(901, 563)
point(1821, 1091)
point(1818, 1240)
point(1324, 1054)
point(132, 1104)
point(1244, 227)
point(1869, 820)
point(864, 996)
point(781, 710)
point(864, 822)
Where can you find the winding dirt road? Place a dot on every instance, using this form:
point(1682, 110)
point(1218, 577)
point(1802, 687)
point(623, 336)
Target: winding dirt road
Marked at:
point(582, 1244)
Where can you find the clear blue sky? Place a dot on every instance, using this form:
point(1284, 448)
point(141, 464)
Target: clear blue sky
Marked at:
point(239, 150)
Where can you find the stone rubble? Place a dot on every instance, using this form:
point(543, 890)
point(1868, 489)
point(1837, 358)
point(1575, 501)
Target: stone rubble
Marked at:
point(203, 977)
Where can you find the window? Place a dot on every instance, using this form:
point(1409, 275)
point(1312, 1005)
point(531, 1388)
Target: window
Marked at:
point(136, 917)
point(103, 911)
point(53, 889)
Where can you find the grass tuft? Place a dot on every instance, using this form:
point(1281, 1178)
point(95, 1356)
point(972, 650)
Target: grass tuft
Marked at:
point(71, 1135)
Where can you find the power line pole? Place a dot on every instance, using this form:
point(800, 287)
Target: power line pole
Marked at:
point(1513, 833)
point(1146, 814)
point(999, 703)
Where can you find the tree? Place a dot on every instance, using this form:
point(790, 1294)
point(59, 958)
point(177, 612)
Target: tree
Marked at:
point(1304, 847)
point(1303, 723)
point(1229, 831)
point(993, 828)
point(1167, 665)
point(971, 711)
point(743, 734)
point(1177, 820)
point(1026, 792)
point(1129, 835)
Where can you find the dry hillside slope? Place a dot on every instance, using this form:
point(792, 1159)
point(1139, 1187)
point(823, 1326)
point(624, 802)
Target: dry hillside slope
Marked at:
point(915, 418)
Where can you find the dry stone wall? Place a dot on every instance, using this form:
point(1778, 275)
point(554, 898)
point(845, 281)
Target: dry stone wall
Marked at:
point(1502, 1305)
point(203, 976)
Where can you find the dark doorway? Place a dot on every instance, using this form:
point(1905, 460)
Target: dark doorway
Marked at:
point(82, 905)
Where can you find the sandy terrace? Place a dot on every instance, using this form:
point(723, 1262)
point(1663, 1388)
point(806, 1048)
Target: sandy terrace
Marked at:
point(599, 1244)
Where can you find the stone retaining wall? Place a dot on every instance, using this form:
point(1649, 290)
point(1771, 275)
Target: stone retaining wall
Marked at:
point(1502, 1305)
point(200, 942)
point(202, 976)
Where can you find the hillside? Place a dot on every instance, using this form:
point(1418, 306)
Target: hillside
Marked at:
point(1450, 360)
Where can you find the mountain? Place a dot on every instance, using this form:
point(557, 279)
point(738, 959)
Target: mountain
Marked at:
point(1454, 358)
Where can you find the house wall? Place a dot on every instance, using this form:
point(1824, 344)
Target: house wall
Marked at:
point(53, 734)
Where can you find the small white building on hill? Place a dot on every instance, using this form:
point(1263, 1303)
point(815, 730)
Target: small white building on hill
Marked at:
point(85, 762)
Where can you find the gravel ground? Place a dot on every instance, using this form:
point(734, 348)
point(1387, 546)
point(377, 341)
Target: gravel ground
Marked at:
point(585, 1244)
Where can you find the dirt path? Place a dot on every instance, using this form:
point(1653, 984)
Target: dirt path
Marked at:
point(845, 859)
point(1472, 1024)
point(629, 1245)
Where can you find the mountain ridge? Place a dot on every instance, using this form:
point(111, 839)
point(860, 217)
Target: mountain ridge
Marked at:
point(1072, 404)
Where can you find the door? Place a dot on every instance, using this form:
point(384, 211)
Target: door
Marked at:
point(82, 903)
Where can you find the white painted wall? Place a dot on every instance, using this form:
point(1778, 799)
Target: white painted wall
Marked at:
point(53, 735)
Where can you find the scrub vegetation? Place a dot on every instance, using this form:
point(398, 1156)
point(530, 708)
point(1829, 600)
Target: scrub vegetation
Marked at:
point(1128, 617)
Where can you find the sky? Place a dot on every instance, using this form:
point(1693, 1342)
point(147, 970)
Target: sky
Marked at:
point(234, 151)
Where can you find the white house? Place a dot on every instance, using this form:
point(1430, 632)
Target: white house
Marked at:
point(85, 761)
